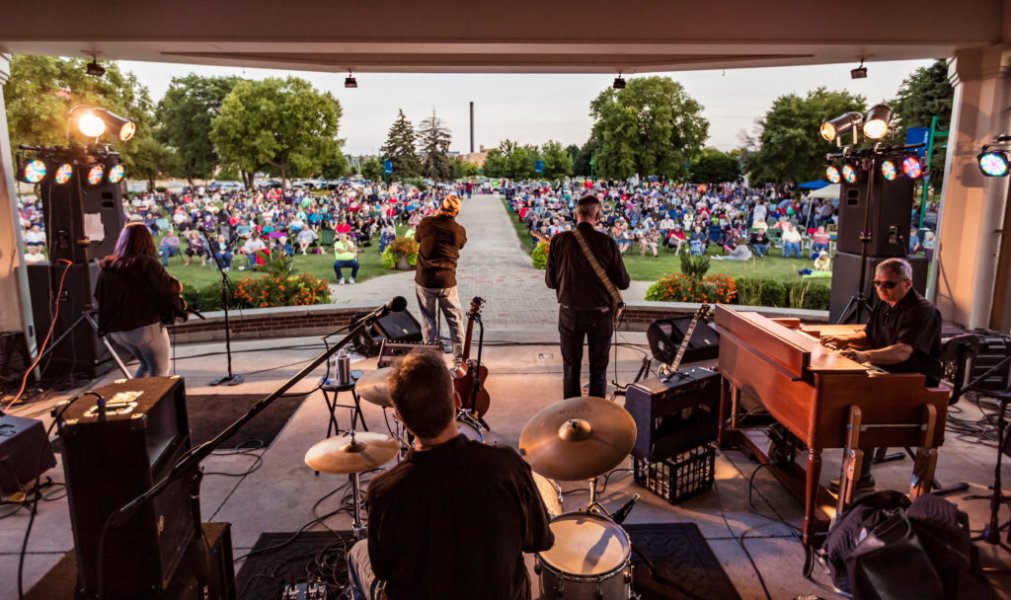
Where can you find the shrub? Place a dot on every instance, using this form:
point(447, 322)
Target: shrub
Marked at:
point(400, 246)
point(757, 291)
point(206, 298)
point(417, 182)
point(679, 287)
point(695, 267)
point(271, 290)
point(539, 255)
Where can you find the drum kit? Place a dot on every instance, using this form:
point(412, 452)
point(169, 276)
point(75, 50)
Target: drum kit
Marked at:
point(578, 439)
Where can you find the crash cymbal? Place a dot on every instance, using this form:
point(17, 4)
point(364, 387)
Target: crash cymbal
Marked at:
point(577, 439)
point(373, 388)
point(339, 454)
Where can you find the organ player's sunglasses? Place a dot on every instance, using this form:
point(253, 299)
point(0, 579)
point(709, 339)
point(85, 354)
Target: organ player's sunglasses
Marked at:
point(886, 284)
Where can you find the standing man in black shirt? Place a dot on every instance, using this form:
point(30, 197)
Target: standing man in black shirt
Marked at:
point(453, 520)
point(440, 240)
point(903, 334)
point(586, 308)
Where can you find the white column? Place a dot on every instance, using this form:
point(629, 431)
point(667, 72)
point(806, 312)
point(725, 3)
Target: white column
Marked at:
point(972, 205)
point(15, 305)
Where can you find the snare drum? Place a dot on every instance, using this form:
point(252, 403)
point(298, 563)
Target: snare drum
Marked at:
point(590, 560)
point(471, 432)
point(550, 493)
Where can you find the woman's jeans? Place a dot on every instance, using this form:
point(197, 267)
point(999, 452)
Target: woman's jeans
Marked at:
point(149, 345)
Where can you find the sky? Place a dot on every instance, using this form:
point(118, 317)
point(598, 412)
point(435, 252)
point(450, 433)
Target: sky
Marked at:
point(532, 109)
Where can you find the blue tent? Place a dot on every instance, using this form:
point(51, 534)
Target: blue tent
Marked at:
point(817, 184)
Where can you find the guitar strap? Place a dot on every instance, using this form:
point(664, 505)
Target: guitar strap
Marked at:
point(617, 302)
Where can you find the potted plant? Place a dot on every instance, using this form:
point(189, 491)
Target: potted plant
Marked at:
point(401, 254)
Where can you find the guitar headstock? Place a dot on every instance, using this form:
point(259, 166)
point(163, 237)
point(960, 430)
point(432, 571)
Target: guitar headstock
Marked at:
point(475, 306)
point(703, 311)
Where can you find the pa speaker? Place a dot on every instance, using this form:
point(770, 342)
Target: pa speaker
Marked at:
point(665, 337)
point(83, 221)
point(24, 452)
point(399, 327)
point(846, 279)
point(890, 207)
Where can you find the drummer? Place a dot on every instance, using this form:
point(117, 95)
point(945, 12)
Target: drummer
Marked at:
point(454, 517)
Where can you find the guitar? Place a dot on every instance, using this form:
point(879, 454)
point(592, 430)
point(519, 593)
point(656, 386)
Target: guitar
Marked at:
point(699, 314)
point(475, 375)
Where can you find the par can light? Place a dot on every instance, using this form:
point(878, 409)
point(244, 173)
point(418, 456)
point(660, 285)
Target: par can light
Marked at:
point(33, 171)
point(116, 174)
point(90, 124)
point(95, 174)
point(64, 173)
point(993, 163)
point(912, 167)
point(832, 174)
point(876, 123)
point(830, 130)
point(849, 174)
point(888, 170)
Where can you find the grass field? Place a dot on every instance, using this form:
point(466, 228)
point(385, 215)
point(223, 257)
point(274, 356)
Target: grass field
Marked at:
point(649, 268)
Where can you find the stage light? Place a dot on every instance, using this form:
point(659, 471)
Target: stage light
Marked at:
point(876, 123)
point(94, 69)
point(888, 170)
point(619, 83)
point(832, 174)
point(116, 174)
point(859, 72)
point(849, 174)
point(33, 170)
point(121, 127)
point(912, 167)
point(993, 163)
point(350, 82)
point(93, 122)
point(837, 127)
point(89, 123)
point(64, 173)
point(95, 174)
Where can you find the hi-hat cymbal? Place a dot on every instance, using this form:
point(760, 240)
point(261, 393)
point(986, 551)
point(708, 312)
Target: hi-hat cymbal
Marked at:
point(339, 454)
point(577, 439)
point(373, 388)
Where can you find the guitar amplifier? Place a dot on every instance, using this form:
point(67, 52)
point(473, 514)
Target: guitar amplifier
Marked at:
point(390, 353)
point(24, 453)
point(674, 414)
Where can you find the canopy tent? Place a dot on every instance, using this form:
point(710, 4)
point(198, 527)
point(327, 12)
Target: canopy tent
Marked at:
point(830, 190)
point(817, 184)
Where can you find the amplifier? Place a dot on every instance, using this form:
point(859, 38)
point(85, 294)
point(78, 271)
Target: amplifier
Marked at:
point(390, 353)
point(674, 414)
point(993, 348)
point(111, 458)
point(24, 453)
point(666, 335)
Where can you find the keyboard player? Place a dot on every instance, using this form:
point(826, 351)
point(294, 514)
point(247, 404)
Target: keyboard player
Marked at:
point(903, 334)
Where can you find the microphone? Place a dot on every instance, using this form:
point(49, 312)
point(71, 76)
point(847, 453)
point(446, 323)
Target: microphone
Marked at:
point(621, 514)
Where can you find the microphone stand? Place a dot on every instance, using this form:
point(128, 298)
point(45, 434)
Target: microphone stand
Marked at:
point(226, 288)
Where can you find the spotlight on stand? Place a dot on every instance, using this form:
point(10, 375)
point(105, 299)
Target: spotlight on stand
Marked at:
point(619, 82)
point(832, 131)
point(121, 127)
point(64, 173)
point(93, 122)
point(912, 167)
point(350, 82)
point(993, 163)
point(33, 170)
point(876, 122)
point(832, 174)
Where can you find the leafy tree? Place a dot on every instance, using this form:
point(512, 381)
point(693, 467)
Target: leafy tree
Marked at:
point(462, 169)
point(581, 158)
point(922, 95)
point(280, 123)
point(335, 166)
point(400, 147)
point(185, 115)
point(791, 151)
point(495, 163)
point(372, 169)
point(435, 139)
point(147, 159)
point(714, 166)
point(557, 160)
point(652, 127)
point(512, 161)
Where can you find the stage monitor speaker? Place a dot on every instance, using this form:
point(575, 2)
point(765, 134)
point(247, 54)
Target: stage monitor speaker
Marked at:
point(24, 453)
point(890, 213)
point(111, 459)
point(665, 337)
point(846, 280)
point(399, 327)
point(14, 357)
point(82, 221)
point(674, 415)
point(80, 354)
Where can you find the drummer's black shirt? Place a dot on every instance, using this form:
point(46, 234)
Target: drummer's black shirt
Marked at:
point(913, 321)
point(453, 522)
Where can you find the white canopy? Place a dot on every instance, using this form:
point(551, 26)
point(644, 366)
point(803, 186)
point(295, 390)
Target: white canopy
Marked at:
point(829, 191)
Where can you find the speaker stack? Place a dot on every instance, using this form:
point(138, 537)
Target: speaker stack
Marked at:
point(890, 207)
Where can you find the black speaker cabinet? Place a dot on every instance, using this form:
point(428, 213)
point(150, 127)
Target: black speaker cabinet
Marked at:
point(674, 415)
point(665, 337)
point(24, 452)
point(109, 460)
point(82, 220)
point(846, 280)
point(399, 327)
point(891, 209)
point(80, 353)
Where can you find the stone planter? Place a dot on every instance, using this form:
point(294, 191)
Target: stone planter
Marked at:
point(403, 264)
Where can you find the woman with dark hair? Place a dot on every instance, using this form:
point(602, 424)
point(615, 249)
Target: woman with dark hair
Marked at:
point(136, 298)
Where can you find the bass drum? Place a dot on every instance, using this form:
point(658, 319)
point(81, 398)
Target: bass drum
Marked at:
point(590, 560)
point(469, 430)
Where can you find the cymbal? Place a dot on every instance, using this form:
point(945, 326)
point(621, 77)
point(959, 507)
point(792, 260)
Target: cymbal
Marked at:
point(577, 439)
point(338, 454)
point(373, 388)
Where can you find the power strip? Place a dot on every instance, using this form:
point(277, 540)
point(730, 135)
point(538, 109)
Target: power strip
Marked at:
point(304, 591)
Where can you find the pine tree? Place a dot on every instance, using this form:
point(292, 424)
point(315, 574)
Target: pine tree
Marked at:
point(400, 148)
point(435, 138)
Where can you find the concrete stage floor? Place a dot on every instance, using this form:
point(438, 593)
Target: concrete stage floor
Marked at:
point(525, 377)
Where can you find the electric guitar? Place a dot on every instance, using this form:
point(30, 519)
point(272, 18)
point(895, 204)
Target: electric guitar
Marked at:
point(474, 375)
point(699, 314)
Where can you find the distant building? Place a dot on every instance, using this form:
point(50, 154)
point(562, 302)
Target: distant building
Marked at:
point(477, 158)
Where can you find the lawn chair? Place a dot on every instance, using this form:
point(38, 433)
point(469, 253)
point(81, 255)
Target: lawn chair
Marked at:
point(325, 240)
point(716, 234)
point(775, 237)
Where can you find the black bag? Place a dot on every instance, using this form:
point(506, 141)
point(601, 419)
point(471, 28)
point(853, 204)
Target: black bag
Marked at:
point(944, 532)
point(872, 552)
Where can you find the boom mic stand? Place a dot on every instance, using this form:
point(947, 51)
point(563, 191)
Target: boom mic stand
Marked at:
point(226, 289)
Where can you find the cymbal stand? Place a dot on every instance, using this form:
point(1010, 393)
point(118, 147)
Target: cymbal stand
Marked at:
point(356, 489)
point(594, 507)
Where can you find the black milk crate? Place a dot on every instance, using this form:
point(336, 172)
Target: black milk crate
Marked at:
point(679, 477)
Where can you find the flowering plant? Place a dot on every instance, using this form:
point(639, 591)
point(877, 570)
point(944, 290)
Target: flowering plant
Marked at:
point(399, 248)
point(679, 287)
point(275, 290)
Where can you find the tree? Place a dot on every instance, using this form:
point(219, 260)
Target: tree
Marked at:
point(185, 115)
point(582, 157)
point(557, 160)
point(925, 94)
point(435, 139)
point(652, 127)
point(495, 163)
point(401, 149)
point(790, 149)
point(462, 168)
point(147, 159)
point(372, 169)
point(280, 123)
point(335, 166)
point(714, 166)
